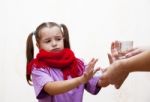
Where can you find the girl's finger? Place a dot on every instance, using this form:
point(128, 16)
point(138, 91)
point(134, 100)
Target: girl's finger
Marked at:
point(92, 64)
point(97, 69)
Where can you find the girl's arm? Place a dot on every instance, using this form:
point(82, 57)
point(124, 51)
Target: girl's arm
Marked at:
point(57, 87)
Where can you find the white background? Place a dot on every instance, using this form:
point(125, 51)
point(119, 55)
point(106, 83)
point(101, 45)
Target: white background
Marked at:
point(93, 25)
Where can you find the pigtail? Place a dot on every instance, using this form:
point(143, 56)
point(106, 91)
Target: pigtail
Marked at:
point(66, 36)
point(29, 55)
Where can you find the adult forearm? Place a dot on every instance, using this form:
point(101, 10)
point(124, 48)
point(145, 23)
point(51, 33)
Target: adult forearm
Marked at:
point(140, 62)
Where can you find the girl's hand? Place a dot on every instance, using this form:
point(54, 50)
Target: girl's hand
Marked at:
point(89, 71)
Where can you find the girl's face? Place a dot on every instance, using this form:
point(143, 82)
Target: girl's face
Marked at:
point(51, 39)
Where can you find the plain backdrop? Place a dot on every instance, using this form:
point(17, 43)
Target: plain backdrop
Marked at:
point(92, 24)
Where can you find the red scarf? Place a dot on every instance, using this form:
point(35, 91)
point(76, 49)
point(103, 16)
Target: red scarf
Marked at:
point(64, 60)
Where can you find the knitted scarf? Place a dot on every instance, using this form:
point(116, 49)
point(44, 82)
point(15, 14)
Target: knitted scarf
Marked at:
point(64, 60)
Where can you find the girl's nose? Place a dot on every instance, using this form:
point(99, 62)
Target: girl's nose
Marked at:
point(54, 43)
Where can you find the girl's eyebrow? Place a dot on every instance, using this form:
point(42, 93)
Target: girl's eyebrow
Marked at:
point(57, 36)
point(47, 39)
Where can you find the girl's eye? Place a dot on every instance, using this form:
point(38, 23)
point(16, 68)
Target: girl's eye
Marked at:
point(47, 41)
point(58, 39)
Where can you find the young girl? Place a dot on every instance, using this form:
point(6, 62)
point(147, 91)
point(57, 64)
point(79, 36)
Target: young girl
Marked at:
point(57, 75)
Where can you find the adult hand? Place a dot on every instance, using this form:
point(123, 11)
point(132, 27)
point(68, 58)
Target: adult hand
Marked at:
point(115, 52)
point(115, 75)
point(135, 51)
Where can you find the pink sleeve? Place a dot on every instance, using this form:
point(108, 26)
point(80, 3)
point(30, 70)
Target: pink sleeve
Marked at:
point(39, 78)
point(92, 87)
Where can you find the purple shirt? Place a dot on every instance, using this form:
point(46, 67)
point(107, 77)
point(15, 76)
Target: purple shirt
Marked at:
point(41, 76)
